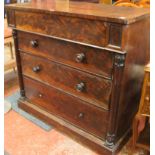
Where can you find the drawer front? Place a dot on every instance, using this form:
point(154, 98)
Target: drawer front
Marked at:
point(72, 109)
point(82, 30)
point(83, 57)
point(94, 89)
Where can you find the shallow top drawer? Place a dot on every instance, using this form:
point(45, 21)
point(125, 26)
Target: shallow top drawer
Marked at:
point(78, 56)
point(92, 32)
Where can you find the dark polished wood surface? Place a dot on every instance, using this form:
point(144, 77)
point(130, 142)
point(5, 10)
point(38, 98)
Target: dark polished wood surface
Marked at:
point(95, 89)
point(65, 127)
point(70, 108)
point(84, 10)
point(95, 61)
point(88, 58)
point(64, 27)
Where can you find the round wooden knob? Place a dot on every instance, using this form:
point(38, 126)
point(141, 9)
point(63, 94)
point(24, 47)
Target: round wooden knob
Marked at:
point(80, 87)
point(147, 98)
point(34, 43)
point(81, 115)
point(36, 69)
point(40, 95)
point(80, 57)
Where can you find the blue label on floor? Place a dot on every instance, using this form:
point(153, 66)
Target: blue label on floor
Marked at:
point(14, 104)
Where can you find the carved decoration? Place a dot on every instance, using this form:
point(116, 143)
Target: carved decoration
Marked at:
point(14, 34)
point(119, 63)
point(110, 140)
point(119, 60)
point(17, 54)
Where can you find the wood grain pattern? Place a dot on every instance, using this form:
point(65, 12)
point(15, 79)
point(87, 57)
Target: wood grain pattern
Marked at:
point(122, 15)
point(96, 90)
point(72, 109)
point(133, 74)
point(115, 41)
point(18, 63)
point(144, 108)
point(11, 18)
point(115, 35)
point(77, 134)
point(119, 63)
point(96, 61)
point(64, 27)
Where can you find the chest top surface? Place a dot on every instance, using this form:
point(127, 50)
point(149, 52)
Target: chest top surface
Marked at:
point(122, 15)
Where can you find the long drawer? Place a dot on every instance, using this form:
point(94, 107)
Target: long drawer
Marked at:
point(77, 112)
point(86, 58)
point(73, 28)
point(91, 88)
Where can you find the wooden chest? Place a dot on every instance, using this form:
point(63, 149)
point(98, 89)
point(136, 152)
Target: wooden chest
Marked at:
point(80, 67)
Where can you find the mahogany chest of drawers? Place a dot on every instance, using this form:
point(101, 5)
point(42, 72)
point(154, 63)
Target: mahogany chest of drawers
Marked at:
point(80, 67)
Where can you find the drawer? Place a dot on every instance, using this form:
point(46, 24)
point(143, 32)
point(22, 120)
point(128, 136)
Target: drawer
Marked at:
point(70, 108)
point(94, 89)
point(88, 31)
point(86, 58)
